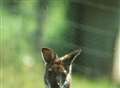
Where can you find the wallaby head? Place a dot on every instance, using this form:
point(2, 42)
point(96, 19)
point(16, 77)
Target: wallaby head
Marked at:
point(58, 69)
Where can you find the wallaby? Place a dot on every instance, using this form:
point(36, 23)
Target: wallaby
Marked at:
point(58, 69)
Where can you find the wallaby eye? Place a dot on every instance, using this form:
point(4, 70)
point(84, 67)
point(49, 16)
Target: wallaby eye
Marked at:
point(65, 72)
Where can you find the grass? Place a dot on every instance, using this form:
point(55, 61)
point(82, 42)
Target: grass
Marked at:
point(80, 82)
point(32, 77)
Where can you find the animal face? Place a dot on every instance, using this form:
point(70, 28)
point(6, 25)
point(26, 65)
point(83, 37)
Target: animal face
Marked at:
point(58, 70)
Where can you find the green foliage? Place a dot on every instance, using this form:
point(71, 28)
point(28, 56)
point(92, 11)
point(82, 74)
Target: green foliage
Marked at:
point(21, 35)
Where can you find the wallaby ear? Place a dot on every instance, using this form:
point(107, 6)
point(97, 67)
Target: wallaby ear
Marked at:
point(70, 57)
point(48, 55)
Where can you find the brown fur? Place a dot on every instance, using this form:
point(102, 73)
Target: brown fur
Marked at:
point(58, 70)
